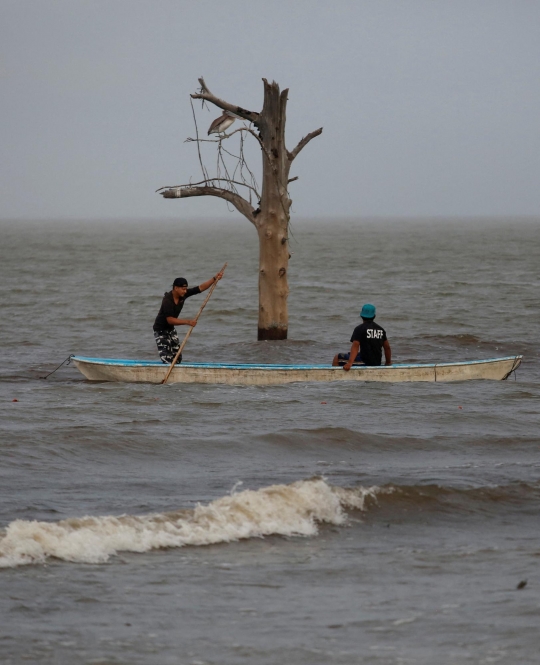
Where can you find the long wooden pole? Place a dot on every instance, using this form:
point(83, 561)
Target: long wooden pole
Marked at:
point(191, 328)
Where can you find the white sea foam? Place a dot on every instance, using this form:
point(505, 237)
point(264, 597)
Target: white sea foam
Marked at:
point(288, 510)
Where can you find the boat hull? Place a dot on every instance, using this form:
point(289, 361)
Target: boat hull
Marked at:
point(134, 371)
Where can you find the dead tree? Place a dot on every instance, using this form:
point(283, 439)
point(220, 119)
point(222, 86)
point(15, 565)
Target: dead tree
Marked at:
point(272, 216)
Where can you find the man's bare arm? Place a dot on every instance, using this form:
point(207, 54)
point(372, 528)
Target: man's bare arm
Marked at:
point(355, 348)
point(212, 280)
point(387, 352)
point(181, 322)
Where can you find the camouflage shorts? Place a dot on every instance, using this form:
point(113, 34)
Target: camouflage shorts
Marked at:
point(168, 344)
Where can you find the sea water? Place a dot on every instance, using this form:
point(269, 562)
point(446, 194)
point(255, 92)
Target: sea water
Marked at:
point(303, 523)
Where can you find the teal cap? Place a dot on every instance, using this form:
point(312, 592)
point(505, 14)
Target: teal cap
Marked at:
point(368, 311)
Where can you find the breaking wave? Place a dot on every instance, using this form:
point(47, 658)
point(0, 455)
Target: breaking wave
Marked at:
point(288, 510)
point(297, 509)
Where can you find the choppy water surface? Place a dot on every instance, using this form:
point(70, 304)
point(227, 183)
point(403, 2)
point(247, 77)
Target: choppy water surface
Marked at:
point(309, 523)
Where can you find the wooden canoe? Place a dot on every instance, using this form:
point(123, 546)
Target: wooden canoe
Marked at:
point(153, 371)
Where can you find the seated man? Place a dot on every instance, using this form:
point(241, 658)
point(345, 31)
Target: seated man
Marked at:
point(368, 341)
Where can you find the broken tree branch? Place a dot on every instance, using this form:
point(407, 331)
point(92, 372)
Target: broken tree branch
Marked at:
point(205, 94)
point(237, 201)
point(223, 136)
point(303, 143)
point(204, 182)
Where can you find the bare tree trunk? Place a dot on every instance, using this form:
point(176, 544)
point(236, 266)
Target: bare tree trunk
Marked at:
point(273, 220)
point(273, 286)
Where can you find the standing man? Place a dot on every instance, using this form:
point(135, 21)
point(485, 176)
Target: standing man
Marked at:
point(171, 306)
point(368, 341)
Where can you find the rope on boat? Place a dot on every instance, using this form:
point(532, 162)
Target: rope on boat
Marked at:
point(66, 362)
point(517, 363)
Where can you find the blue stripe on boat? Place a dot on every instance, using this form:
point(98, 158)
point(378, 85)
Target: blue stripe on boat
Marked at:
point(157, 363)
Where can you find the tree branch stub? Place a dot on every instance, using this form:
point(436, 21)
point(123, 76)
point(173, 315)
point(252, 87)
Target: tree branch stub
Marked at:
point(208, 96)
point(303, 143)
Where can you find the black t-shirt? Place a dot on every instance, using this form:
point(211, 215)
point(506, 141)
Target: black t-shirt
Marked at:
point(371, 337)
point(170, 308)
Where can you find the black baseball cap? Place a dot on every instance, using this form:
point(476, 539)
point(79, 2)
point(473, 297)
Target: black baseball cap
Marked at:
point(180, 281)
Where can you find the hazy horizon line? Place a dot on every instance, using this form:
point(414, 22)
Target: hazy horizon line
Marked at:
point(295, 219)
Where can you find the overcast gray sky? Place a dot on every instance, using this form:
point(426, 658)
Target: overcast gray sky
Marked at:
point(429, 107)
